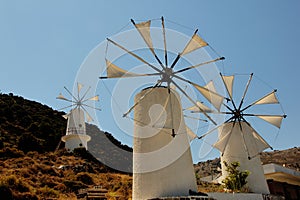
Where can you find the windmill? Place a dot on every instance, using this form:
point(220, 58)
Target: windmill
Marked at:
point(76, 136)
point(238, 140)
point(161, 145)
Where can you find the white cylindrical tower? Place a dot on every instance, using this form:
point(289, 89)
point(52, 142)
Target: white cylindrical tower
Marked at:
point(162, 161)
point(235, 151)
point(76, 133)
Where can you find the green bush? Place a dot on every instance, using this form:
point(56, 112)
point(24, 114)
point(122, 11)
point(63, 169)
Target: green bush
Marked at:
point(236, 179)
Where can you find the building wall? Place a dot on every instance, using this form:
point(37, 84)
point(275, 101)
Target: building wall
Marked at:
point(162, 164)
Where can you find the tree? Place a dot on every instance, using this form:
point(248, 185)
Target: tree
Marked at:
point(236, 179)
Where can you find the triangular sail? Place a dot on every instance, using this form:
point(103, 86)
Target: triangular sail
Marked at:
point(79, 86)
point(191, 135)
point(222, 142)
point(95, 98)
point(196, 42)
point(60, 96)
point(215, 99)
point(211, 86)
point(114, 71)
point(268, 99)
point(228, 81)
point(255, 143)
point(272, 119)
point(144, 30)
point(203, 107)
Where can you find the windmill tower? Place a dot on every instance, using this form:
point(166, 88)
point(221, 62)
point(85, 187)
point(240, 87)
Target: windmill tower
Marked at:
point(76, 136)
point(162, 162)
point(239, 141)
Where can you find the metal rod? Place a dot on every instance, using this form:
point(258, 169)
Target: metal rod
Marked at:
point(71, 94)
point(165, 41)
point(246, 89)
point(132, 76)
point(198, 65)
point(187, 96)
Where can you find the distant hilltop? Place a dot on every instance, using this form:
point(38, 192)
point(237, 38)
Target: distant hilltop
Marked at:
point(288, 158)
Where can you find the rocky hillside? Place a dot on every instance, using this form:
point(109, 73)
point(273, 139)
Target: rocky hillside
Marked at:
point(30, 126)
point(57, 175)
point(33, 164)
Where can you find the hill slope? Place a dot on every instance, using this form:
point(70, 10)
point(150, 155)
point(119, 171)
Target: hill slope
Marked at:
point(31, 168)
point(30, 126)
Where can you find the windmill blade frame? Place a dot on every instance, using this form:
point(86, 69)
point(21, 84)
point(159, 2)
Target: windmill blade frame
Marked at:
point(166, 72)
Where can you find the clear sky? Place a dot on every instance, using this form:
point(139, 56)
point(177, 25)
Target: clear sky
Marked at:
point(43, 43)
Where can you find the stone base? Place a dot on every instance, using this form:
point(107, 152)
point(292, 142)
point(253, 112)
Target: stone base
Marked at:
point(225, 196)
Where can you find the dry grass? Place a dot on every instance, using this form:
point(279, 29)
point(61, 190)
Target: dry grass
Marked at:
point(38, 176)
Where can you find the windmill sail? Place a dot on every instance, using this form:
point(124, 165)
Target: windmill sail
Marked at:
point(79, 86)
point(203, 107)
point(60, 96)
point(144, 30)
point(190, 133)
point(95, 98)
point(268, 99)
point(272, 119)
point(215, 99)
point(195, 42)
point(222, 142)
point(228, 81)
point(255, 143)
point(114, 71)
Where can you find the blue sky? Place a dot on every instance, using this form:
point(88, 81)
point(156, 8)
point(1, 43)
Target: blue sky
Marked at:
point(43, 43)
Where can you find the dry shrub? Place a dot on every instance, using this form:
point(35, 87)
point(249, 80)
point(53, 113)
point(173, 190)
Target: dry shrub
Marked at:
point(47, 192)
point(46, 169)
point(8, 152)
point(85, 178)
point(15, 183)
point(74, 186)
point(61, 187)
point(25, 172)
point(25, 195)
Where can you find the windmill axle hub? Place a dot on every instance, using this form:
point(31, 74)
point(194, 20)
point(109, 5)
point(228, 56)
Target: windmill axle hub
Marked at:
point(237, 114)
point(167, 75)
